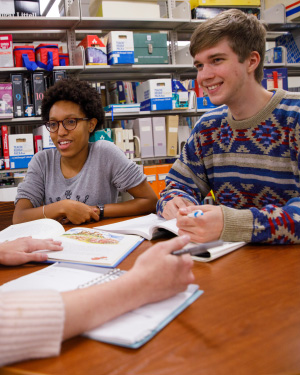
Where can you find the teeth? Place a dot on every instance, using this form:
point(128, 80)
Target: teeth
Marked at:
point(213, 87)
point(64, 142)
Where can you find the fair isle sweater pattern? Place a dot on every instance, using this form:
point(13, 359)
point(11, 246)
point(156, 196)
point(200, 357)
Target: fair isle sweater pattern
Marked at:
point(251, 165)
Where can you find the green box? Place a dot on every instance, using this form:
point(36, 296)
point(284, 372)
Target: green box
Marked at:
point(150, 48)
point(99, 135)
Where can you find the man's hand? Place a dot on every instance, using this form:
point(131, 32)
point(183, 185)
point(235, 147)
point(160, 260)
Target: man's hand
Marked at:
point(205, 228)
point(171, 208)
point(159, 273)
point(14, 253)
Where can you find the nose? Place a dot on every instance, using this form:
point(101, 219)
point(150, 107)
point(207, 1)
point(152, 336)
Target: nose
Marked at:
point(206, 73)
point(61, 129)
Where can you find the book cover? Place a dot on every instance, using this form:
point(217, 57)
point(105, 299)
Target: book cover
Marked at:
point(5, 148)
point(132, 329)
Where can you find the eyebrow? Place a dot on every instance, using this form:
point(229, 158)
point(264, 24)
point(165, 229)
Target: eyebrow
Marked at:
point(210, 57)
point(70, 115)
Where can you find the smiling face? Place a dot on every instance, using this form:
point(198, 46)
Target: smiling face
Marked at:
point(72, 145)
point(222, 76)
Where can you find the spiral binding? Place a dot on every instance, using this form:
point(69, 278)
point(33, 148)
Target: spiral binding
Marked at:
point(112, 275)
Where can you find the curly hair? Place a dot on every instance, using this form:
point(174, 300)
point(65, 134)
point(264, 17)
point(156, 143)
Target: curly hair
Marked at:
point(79, 92)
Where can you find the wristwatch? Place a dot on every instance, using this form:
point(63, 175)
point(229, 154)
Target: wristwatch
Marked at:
point(101, 208)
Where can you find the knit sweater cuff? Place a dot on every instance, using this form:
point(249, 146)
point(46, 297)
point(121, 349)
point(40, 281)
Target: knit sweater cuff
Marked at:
point(31, 325)
point(238, 225)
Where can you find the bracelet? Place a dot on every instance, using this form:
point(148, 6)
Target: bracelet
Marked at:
point(45, 217)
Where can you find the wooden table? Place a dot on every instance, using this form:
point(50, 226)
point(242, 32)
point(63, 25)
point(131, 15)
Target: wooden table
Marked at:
point(246, 322)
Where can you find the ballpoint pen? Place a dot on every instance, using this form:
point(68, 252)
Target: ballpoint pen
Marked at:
point(195, 213)
point(201, 249)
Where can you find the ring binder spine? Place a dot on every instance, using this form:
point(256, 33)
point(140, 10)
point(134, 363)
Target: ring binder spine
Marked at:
point(112, 275)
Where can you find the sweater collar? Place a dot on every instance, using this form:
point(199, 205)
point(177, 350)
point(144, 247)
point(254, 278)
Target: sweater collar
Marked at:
point(260, 116)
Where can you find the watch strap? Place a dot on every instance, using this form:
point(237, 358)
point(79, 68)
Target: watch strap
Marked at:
point(101, 209)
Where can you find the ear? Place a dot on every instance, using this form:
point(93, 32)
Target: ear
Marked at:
point(253, 61)
point(92, 124)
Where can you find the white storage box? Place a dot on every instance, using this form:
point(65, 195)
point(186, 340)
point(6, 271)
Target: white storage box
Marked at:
point(155, 95)
point(120, 47)
point(20, 150)
point(129, 9)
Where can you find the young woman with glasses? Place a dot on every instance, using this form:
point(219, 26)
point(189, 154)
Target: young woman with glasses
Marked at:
point(78, 181)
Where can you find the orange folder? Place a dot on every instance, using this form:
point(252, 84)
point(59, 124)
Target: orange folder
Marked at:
point(162, 171)
point(150, 172)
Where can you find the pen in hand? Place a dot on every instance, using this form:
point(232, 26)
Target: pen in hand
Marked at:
point(195, 213)
point(201, 249)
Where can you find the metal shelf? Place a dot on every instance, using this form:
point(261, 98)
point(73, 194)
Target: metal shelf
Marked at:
point(92, 23)
point(38, 23)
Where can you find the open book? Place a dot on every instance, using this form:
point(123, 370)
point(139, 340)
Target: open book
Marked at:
point(80, 245)
point(152, 226)
point(132, 329)
point(149, 226)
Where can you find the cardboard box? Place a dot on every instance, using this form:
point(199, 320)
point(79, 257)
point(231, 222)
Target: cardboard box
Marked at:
point(7, 8)
point(118, 137)
point(120, 47)
point(183, 56)
point(6, 51)
point(155, 95)
point(159, 136)
point(38, 89)
point(20, 150)
point(291, 9)
point(99, 135)
point(142, 128)
point(172, 135)
point(18, 94)
point(202, 12)
point(47, 141)
point(196, 3)
point(150, 48)
point(275, 78)
point(183, 133)
point(6, 100)
point(25, 8)
point(130, 9)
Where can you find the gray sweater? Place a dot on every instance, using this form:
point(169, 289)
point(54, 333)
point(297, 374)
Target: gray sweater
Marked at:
point(105, 172)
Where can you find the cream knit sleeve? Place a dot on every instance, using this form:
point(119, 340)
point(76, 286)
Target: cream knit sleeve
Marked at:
point(31, 325)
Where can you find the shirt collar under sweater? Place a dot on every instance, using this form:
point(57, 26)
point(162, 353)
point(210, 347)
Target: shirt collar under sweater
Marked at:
point(260, 116)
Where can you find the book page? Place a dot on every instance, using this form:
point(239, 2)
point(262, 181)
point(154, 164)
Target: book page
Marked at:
point(143, 226)
point(58, 276)
point(219, 251)
point(92, 246)
point(42, 228)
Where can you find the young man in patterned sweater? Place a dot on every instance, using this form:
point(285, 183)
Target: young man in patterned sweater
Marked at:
point(246, 150)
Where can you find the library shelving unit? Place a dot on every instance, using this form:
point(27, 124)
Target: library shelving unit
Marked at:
point(68, 30)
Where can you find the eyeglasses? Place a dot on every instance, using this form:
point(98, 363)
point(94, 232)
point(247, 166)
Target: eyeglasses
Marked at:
point(68, 123)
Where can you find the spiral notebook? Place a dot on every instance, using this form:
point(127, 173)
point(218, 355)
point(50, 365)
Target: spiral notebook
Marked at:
point(131, 330)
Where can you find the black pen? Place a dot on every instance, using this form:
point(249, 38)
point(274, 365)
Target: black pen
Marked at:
point(201, 249)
